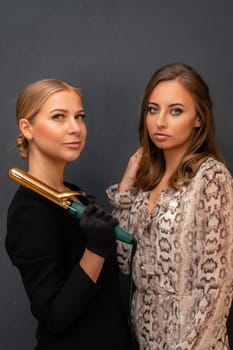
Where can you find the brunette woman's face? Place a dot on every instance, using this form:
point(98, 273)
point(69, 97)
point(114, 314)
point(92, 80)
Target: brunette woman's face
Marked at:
point(171, 117)
point(58, 131)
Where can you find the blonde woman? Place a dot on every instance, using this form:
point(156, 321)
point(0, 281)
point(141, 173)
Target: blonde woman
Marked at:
point(68, 267)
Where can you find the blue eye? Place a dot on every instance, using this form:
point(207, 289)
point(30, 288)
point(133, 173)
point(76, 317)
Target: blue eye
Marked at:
point(80, 116)
point(58, 116)
point(153, 110)
point(176, 111)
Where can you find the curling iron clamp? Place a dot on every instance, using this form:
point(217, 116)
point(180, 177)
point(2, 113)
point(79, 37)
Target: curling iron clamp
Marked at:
point(63, 199)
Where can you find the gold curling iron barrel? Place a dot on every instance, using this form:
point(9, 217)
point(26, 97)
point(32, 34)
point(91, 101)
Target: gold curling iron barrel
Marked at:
point(63, 199)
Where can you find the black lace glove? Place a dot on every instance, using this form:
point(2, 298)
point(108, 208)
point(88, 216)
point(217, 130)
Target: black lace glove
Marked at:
point(98, 228)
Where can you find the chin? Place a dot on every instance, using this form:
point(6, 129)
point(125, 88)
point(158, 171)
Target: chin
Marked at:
point(75, 157)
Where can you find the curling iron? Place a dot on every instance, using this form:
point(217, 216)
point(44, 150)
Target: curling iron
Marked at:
point(63, 199)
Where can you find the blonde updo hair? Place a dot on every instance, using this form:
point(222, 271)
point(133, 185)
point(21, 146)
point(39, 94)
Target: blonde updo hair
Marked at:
point(31, 99)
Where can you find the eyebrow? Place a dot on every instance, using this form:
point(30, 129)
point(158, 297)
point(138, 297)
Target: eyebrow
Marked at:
point(65, 110)
point(171, 105)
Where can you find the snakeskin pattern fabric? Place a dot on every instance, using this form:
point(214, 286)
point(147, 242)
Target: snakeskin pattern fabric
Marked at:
point(183, 265)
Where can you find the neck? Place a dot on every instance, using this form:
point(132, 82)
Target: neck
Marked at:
point(52, 175)
point(172, 160)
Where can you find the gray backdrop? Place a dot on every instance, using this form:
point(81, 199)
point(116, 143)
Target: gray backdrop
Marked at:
point(109, 49)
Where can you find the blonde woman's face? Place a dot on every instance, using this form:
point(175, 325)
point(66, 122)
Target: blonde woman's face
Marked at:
point(171, 117)
point(58, 131)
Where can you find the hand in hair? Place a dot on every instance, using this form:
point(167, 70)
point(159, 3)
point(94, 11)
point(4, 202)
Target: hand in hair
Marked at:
point(129, 176)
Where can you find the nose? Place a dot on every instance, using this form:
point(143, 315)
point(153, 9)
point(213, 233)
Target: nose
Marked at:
point(74, 125)
point(161, 120)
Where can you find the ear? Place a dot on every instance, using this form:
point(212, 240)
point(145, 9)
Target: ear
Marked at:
point(25, 128)
point(197, 122)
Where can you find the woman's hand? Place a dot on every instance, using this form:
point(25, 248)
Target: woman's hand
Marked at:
point(98, 228)
point(129, 176)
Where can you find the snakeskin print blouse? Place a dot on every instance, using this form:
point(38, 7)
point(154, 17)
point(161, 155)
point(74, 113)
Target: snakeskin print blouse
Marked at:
point(183, 265)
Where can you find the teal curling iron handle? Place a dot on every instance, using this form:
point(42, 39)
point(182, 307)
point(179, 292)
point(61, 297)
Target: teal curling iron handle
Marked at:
point(76, 209)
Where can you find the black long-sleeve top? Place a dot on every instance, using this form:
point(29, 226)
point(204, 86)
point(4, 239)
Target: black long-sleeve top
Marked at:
point(46, 244)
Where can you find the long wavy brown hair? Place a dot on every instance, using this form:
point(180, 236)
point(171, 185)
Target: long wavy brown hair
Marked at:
point(202, 144)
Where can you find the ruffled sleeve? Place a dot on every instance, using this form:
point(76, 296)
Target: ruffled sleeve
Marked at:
point(122, 203)
point(213, 290)
point(123, 199)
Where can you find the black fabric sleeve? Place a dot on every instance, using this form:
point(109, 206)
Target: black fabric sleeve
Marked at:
point(34, 244)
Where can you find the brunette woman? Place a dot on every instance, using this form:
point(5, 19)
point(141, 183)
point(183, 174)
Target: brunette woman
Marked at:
point(176, 197)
